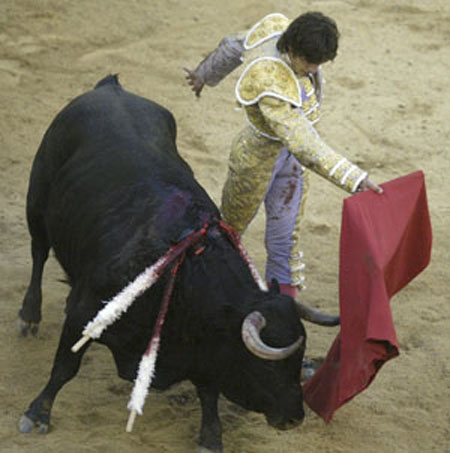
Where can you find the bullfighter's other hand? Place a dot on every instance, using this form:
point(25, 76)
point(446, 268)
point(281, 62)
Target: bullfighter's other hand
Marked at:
point(196, 83)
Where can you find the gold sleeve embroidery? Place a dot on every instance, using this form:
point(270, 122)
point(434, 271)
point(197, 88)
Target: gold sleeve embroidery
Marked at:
point(303, 141)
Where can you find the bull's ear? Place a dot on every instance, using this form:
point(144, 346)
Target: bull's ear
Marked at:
point(274, 287)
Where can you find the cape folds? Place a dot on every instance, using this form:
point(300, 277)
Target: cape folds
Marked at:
point(385, 242)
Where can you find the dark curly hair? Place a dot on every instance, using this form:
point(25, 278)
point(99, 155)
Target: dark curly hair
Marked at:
point(312, 36)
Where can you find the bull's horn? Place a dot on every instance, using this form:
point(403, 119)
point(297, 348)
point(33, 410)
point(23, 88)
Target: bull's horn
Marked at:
point(251, 326)
point(315, 316)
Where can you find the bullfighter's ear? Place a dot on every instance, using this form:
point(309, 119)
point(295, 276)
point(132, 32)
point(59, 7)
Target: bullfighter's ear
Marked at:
point(274, 287)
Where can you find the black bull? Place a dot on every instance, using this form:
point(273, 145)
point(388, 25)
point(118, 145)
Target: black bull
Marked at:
point(110, 194)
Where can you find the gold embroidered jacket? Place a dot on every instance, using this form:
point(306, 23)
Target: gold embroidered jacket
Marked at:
point(283, 107)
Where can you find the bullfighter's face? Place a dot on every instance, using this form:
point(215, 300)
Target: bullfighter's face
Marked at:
point(301, 66)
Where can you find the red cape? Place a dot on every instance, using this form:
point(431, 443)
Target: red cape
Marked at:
point(385, 243)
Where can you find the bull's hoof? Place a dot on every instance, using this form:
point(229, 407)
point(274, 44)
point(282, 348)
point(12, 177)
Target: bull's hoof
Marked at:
point(26, 425)
point(26, 328)
point(201, 449)
point(309, 368)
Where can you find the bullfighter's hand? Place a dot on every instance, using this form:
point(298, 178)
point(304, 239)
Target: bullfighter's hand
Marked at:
point(367, 184)
point(194, 81)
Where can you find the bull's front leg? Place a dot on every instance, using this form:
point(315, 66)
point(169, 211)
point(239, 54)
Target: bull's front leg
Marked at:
point(65, 367)
point(210, 439)
point(30, 313)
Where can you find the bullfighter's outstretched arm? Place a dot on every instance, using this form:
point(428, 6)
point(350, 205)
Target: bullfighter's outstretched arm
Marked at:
point(223, 60)
point(303, 141)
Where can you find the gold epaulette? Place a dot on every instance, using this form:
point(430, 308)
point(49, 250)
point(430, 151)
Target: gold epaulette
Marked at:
point(266, 28)
point(268, 76)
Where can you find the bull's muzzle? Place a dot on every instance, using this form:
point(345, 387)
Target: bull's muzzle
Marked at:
point(283, 424)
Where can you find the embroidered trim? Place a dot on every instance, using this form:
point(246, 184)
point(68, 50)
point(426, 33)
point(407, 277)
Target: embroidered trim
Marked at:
point(269, 93)
point(347, 173)
point(263, 40)
point(300, 267)
point(266, 38)
point(311, 110)
point(270, 137)
point(299, 281)
point(359, 180)
point(339, 164)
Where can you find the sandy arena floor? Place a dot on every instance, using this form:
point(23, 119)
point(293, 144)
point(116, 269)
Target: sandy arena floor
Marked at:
point(387, 107)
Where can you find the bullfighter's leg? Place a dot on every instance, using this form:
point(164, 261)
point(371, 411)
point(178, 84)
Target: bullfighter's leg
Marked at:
point(249, 171)
point(30, 313)
point(65, 366)
point(210, 439)
point(284, 203)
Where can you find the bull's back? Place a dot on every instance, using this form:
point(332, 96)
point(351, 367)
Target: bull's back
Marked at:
point(107, 117)
point(108, 167)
